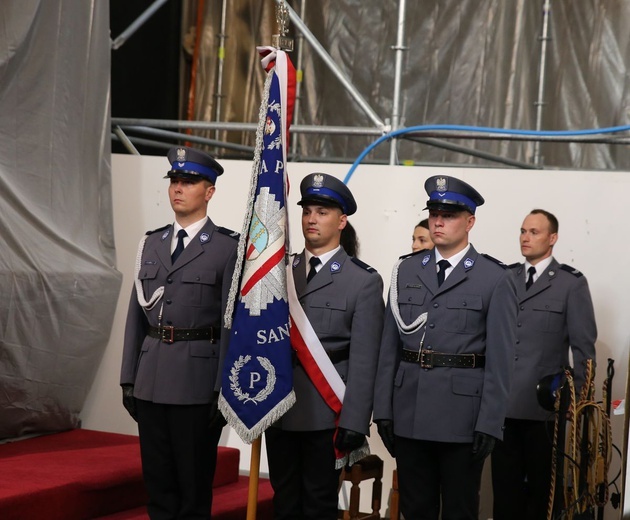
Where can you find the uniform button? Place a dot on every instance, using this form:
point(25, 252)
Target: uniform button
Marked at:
point(522, 307)
point(168, 302)
point(198, 278)
point(518, 324)
point(169, 280)
point(429, 347)
point(169, 322)
point(432, 325)
point(327, 304)
point(546, 306)
point(464, 304)
point(518, 341)
point(436, 305)
point(515, 358)
point(409, 299)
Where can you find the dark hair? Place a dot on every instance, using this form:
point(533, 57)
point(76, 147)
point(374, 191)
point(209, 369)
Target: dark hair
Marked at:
point(349, 240)
point(423, 223)
point(553, 221)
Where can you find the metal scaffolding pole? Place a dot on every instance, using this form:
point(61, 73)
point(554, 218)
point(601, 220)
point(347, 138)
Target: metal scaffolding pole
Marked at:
point(137, 23)
point(400, 49)
point(355, 130)
point(540, 102)
point(218, 95)
point(299, 75)
point(341, 76)
point(119, 132)
point(178, 136)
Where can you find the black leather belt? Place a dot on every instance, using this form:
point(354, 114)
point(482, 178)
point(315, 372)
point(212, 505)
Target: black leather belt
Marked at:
point(335, 356)
point(431, 359)
point(171, 334)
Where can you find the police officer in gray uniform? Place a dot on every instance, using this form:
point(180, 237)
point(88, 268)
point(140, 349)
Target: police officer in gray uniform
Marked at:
point(174, 342)
point(555, 316)
point(446, 361)
point(343, 299)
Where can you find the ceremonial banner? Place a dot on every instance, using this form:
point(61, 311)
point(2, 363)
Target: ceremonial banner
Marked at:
point(257, 381)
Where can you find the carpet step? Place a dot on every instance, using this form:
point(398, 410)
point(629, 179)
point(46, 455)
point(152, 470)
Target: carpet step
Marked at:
point(85, 474)
point(229, 503)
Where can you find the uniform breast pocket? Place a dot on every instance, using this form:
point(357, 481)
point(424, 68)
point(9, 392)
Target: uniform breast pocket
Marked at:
point(410, 303)
point(148, 275)
point(199, 288)
point(548, 315)
point(465, 313)
point(328, 313)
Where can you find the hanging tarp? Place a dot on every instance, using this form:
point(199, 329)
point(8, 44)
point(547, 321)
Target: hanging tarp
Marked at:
point(58, 282)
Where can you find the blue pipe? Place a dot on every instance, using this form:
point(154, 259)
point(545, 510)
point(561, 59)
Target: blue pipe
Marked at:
point(480, 129)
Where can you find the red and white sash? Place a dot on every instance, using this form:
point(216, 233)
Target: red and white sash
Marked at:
point(318, 367)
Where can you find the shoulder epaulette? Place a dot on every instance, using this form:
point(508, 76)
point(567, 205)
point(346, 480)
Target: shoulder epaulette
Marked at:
point(413, 253)
point(228, 232)
point(496, 261)
point(514, 265)
point(158, 229)
point(571, 270)
point(363, 265)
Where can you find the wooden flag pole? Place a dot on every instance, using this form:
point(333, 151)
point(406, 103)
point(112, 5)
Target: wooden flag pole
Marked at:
point(254, 473)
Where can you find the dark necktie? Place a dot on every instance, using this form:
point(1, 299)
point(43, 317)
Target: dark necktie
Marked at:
point(530, 278)
point(314, 261)
point(443, 265)
point(181, 234)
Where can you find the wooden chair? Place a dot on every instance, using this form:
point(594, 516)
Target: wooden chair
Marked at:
point(367, 468)
point(394, 506)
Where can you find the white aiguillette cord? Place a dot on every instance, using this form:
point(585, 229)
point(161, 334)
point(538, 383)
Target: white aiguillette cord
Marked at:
point(155, 297)
point(418, 323)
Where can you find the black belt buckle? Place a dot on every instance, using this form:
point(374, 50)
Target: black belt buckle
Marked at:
point(474, 360)
point(167, 334)
point(426, 360)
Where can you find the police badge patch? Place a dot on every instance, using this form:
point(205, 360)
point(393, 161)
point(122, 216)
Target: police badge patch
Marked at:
point(426, 259)
point(441, 184)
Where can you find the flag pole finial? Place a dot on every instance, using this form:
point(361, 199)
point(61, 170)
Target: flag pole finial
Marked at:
point(281, 41)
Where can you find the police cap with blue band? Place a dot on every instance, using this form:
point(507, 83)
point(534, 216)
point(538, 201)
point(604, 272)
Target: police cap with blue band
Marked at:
point(450, 194)
point(326, 190)
point(191, 163)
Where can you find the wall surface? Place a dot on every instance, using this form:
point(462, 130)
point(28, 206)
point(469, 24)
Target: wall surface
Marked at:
point(589, 205)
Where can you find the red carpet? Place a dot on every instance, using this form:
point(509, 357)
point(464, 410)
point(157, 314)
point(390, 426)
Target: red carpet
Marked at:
point(84, 474)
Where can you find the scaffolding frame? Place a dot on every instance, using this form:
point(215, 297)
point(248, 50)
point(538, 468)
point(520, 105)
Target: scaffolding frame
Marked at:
point(157, 129)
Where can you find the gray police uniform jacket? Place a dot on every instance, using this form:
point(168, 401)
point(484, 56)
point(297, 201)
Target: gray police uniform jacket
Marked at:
point(555, 315)
point(195, 293)
point(474, 311)
point(344, 304)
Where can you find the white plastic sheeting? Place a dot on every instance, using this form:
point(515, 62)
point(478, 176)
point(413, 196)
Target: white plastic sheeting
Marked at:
point(58, 283)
